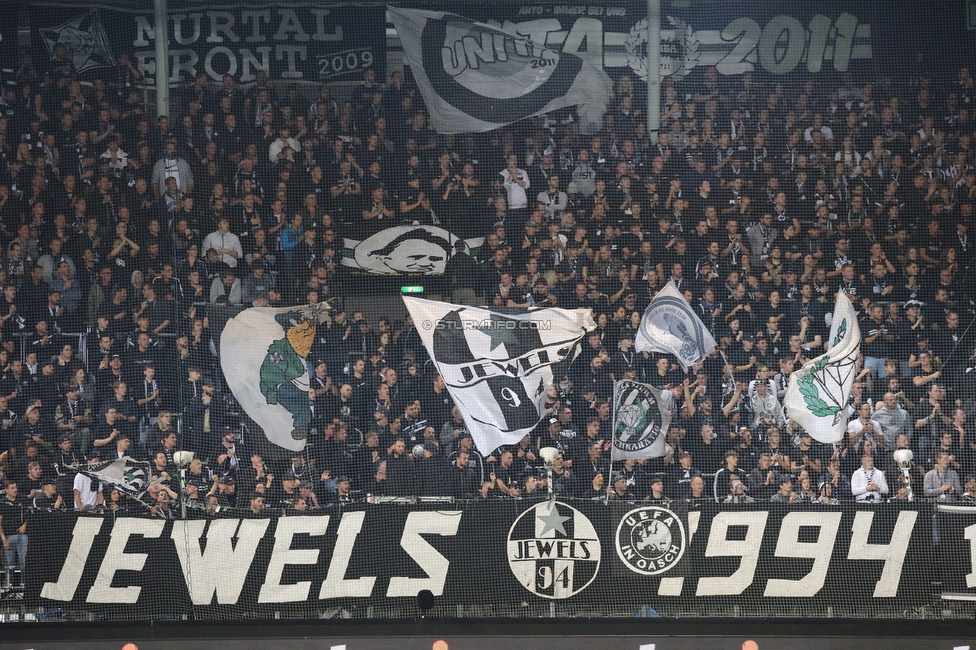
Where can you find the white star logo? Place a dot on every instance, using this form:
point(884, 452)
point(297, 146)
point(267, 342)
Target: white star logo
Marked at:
point(552, 521)
point(85, 39)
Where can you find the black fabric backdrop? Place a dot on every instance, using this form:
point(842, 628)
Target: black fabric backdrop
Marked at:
point(131, 567)
point(314, 43)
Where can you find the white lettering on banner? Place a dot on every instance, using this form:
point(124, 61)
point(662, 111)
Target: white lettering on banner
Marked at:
point(290, 25)
point(272, 591)
point(320, 33)
point(226, 28)
point(145, 33)
point(255, 17)
point(893, 553)
point(289, 51)
point(234, 559)
point(673, 586)
point(221, 22)
point(116, 559)
point(336, 585)
point(178, 28)
point(778, 47)
point(789, 545)
point(747, 549)
point(970, 534)
point(426, 556)
point(82, 538)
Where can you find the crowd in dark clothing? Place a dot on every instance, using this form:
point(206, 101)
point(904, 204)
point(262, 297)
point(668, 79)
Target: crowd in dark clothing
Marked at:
point(130, 239)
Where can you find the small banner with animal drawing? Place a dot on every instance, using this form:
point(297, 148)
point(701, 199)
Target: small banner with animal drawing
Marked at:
point(263, 353)
point(818, 393)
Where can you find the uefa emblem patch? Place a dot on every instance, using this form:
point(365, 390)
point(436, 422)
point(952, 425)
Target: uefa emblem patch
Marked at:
point(650, 540)
point(553, 550)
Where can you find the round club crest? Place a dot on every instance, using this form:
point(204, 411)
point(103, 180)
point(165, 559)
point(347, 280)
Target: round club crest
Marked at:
point(650, 540)
point(553, 550)
point(638, 423)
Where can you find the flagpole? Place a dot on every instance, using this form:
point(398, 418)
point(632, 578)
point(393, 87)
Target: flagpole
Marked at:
point(952, 351)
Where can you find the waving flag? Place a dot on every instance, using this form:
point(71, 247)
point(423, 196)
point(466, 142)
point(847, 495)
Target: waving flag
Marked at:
point(125, 474)
point(819, 392)
point(670, 325)
point(476, 77)
point(263, 354)
point(641, 417)
point(497, 365)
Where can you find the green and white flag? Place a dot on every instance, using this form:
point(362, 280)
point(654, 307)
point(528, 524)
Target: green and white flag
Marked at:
point(125, 474)
point(264, 356)
point(819, 392)
point(641, 417)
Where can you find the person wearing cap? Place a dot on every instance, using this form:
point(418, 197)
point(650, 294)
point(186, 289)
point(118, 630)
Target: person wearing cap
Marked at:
point(683, 474)
point(785, 493)
point(258, 282)
point(463, 275)
point(624, 357)
point(48, 498)
point(619, 489)
point(657, 494)
point(33, 427)
point(812, 455)
point(73, 417)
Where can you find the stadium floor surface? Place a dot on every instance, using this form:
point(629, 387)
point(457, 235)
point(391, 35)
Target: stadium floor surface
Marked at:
point(483, 634)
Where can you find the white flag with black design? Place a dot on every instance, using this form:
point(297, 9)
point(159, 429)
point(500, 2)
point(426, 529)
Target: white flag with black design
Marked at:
point(671, 326)
point(641, 417)
point(125, 474)
point(498, 365)
point(477, 77)
point(819, 392)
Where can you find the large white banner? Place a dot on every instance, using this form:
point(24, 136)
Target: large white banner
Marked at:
point(476, 77)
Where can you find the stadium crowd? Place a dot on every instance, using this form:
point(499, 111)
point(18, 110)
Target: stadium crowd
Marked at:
point(129, 241)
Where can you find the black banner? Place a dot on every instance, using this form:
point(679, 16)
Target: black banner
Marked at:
point(316, 43)
point(956, 551)
point(623, 556)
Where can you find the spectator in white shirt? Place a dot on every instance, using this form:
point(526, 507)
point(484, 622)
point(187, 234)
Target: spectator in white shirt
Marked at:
point(515, 181)
point(88, 492)
point(868, 484)
point(226, 243)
